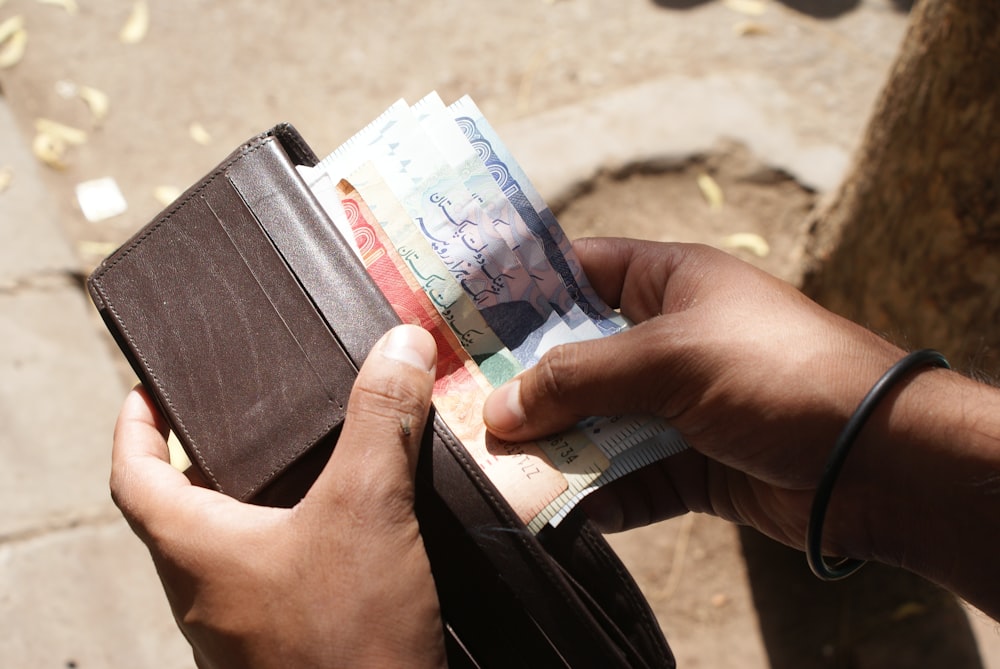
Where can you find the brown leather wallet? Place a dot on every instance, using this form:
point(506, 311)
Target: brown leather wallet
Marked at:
point(238, 308)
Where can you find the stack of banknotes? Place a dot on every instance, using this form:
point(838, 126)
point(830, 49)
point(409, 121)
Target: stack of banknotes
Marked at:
point(453, 233)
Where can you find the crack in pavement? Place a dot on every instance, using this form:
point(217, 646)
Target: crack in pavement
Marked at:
point(57, 526)
point(44, 281)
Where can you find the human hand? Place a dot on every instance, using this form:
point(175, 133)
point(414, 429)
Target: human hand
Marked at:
point(758, 379)
point(341, 579)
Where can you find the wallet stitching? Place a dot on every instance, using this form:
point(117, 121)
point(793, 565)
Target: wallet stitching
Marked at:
point(286, 133)
point(246, 151)
point(166, 395)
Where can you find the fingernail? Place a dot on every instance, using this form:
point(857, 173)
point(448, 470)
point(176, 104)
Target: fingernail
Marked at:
point(502, 411)
point(412, 345)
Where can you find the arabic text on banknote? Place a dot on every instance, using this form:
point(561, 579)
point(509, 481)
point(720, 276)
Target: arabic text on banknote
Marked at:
point(460, 242)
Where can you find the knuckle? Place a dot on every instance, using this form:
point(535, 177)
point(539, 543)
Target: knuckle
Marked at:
point(554, 370)
point(391, 397)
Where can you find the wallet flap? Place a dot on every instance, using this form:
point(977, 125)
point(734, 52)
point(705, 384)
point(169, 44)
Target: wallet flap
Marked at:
point(236, 360)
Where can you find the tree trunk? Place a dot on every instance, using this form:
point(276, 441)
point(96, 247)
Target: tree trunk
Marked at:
point(910, 246)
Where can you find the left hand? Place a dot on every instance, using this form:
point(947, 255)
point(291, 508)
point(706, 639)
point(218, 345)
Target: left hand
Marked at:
point(341, 579)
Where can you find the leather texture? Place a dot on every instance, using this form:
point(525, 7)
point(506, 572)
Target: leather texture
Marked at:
point(246, 315)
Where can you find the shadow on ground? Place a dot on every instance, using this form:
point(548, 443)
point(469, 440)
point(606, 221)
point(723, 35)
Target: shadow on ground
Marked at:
point(821, 9)
point(880, 617)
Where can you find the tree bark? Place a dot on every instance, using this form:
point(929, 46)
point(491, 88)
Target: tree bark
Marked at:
point(910, 245)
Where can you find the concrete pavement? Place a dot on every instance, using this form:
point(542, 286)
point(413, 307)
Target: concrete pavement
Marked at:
point(76, 587)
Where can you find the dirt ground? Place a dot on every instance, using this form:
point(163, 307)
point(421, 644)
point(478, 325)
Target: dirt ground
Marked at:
point(759, 215)
point(724, 598)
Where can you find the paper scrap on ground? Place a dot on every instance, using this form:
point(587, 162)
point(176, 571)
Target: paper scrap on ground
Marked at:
point(100, 199)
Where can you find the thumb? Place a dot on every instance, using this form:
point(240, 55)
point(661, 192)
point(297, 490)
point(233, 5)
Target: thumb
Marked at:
point(601, 377)
point(376, 455)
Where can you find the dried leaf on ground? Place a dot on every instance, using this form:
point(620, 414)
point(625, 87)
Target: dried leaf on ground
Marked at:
point(10, 26)
point(53, 139)
point(98, 249)
point(69, 5)
point(6, 176)
point(711, 190)
point(748, 7)
point(166, 194)
point(748, 241)
point(137, 25)
point(96, 100)
point(750, 29)
point(50, 150)
point(199, 134)
point(13, 41)
point(61, 131)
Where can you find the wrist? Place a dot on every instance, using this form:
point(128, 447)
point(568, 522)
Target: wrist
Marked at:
point(916, 489)
point(898, 373)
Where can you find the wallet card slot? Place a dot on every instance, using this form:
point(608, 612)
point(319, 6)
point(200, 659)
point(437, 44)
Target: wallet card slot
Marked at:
point(321, 260)
point(312, 342)
point(228, 369)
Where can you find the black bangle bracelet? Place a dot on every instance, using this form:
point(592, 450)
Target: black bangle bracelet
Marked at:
point(814, 532)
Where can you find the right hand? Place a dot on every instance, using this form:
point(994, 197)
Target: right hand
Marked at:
point(758, 379)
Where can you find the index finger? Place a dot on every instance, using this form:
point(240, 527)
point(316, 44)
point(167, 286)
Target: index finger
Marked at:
point(633, 275)
point(604, 261)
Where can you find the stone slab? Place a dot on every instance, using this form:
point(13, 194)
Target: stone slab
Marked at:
point(59, 397)
point(32, 239)
point(85, 597)
point(669, 120)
